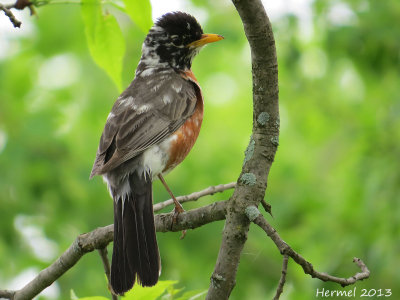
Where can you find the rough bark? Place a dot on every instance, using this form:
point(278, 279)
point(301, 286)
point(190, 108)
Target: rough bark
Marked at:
point(260, 153)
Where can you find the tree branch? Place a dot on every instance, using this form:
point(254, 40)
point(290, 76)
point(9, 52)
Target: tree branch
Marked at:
point(10, 15)
point(282, 281)
point(101, 237)
point(193, 218)
point(6, 294)
point(211, 190)
point(107, 270)
point(308, 268)
point(267, 207)
point(261, 150)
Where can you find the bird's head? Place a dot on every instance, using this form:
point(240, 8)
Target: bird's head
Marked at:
point(174, 41)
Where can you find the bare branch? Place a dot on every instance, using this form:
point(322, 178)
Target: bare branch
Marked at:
point(282, 281)
point(267, 207)
point(6, 294)
point(211, 190)
point(10, 15)
point(101, 237)
point(106, 264)
point(191, 219)
point(308, 268)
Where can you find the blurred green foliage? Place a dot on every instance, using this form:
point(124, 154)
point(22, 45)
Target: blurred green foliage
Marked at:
point(164, 289)
point(105, 40)
point(334, 186)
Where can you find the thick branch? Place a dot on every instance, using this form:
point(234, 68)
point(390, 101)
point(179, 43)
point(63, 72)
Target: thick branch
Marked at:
point(308, 268)
point(211, 190)
point(261, 150)
point(101, 237)
point(193, 218)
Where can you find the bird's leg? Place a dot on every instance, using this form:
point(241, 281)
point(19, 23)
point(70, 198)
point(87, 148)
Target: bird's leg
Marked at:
point(178, 207)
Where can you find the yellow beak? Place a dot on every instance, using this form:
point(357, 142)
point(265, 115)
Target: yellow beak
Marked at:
point(205, 39)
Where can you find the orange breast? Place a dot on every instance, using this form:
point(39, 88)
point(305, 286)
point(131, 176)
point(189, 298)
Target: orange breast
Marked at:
point(186, 135)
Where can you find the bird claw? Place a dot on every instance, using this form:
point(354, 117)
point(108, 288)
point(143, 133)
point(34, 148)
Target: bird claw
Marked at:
point(178, 210)
point(183, 234)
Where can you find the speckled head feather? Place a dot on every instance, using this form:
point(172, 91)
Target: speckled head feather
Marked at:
point(181, 24)
point(166, 42)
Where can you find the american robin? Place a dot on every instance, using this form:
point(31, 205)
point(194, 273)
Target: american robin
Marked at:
point(149, 131)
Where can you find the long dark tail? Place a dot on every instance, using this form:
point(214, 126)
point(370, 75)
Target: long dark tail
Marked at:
point(135, 252)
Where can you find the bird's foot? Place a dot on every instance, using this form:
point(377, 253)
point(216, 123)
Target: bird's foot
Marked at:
point(178, 210)
point(178, 207)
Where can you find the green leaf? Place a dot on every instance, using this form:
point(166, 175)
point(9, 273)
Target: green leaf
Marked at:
point(192, 295)
point(105, 40)
point(94, 298)
point(140, 13)
point(73, 296)
point(171, 292)
point(148, 293)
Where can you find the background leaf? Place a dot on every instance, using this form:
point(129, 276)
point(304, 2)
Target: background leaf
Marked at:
point(73, 296)
point(138, 292)
point(140, 13)
point(192, 295)
point(105, 40)
point(94, 298)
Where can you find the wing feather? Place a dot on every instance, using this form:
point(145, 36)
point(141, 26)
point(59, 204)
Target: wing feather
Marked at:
point(144, 116)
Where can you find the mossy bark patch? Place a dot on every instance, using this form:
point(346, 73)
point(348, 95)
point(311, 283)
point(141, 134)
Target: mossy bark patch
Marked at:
point(248, 179)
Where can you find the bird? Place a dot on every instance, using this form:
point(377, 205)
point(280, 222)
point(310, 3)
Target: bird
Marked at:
point(151, 128)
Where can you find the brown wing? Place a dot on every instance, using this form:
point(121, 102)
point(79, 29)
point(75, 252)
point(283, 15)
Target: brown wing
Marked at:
point(146, 113)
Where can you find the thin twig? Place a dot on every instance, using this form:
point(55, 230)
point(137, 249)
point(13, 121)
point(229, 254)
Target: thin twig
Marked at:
point(308, 268)
point(282, 281)
point(106, 264)
point(196, 195)
point(10, 15)
point(267, 207)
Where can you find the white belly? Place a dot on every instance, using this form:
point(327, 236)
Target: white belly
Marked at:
point(156, 157)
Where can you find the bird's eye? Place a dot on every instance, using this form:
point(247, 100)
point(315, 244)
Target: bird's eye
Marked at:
point(175, 39)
